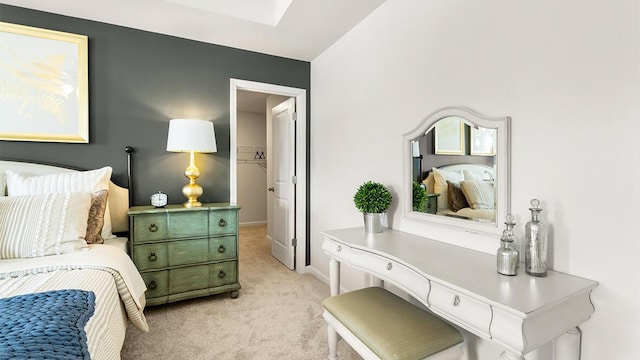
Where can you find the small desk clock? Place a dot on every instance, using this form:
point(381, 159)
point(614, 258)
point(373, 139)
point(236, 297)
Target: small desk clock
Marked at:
point(159, 199)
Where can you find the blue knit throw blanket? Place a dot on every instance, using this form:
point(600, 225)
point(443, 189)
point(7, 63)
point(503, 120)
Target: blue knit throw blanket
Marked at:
point(47, 325)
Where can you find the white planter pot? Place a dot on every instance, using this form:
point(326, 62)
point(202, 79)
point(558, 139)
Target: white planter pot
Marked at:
point(373, 222)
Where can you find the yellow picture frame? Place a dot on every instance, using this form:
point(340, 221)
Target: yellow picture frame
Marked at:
point(44, 85)
point(450, 136)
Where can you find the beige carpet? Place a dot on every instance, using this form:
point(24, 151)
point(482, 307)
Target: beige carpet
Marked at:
point(278, 315)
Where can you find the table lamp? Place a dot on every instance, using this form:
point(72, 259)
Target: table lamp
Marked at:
point(192, 136)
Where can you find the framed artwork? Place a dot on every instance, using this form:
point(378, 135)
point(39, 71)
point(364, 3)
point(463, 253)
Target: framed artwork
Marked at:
point(483, 141)
point(449, 136)
point(44, 94)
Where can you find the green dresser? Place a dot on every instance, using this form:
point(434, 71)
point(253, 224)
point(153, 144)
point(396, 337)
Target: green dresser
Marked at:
point(183, 253)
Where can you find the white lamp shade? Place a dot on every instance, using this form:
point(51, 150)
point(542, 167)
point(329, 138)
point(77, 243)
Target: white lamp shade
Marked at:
point(187, 135)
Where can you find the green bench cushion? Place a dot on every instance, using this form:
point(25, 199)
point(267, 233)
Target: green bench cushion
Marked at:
point(390, 326)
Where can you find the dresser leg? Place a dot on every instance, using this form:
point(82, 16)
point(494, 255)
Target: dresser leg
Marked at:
point(567, 345)
point(509, 356)
point(333, 343)
point(334, 276)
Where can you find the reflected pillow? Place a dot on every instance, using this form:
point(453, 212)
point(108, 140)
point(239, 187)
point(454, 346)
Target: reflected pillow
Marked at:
point(479, 194)
point(39, 225)
point(440, 178)
point(468, 175)
point(457, 200)
point(81, 181)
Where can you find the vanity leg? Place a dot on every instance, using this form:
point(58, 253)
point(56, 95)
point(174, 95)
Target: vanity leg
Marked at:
point(334, 276)
point(509, 356)
point(567, 345)
point(374, 281)
point(333, 343)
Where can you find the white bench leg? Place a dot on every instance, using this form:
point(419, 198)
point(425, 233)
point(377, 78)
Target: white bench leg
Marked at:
point(333, 343)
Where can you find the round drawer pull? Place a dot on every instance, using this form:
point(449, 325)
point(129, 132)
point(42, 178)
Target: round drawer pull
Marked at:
point(222, 222)
point(339, 248)
point(153, 257)
point(153, 227)
point(221, 248)
point(153, 285)
point(389, 266)
point(222, 274)
point(456, 300)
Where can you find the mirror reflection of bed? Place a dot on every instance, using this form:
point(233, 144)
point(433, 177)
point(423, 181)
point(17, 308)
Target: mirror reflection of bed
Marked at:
point(455, 162)
point(465, 191)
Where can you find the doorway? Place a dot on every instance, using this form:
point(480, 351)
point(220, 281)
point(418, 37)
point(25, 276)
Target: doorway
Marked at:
point(298, 207)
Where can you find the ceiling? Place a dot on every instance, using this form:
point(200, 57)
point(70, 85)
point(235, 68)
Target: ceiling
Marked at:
point(296, 29)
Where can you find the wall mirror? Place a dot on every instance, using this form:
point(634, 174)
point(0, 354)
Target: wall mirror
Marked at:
point(461, 159)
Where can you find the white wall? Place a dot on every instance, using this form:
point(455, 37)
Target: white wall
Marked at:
point(252, 179)
point(567, 72)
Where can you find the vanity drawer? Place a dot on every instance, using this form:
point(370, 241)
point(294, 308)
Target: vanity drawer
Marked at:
point(461, 309)
point(386, 269)
point(336, 250)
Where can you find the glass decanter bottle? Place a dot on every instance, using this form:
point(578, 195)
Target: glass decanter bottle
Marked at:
point(508, 257)
point(536, 245)
point(509, 221)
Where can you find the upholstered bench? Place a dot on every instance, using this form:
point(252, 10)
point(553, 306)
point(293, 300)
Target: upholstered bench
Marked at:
point(380, 325)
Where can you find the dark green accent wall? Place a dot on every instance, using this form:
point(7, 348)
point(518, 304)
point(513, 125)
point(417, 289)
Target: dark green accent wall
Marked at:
point(138, 81)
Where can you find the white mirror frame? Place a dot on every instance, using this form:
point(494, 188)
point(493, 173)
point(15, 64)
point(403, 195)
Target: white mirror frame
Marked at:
point(503, 171)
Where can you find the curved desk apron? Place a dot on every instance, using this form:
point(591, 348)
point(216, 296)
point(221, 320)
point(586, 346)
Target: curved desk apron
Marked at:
point(517, 313)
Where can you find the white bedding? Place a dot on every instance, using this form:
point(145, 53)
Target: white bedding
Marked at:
point(472, 214)
point(106, 270)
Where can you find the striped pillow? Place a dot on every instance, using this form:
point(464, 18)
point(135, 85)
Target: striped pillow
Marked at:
point(81, 181)
point(479, 194)
point(39, 225)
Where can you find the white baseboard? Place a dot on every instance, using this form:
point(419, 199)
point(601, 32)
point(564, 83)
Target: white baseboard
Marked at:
point(322, 277)
point(253, 223)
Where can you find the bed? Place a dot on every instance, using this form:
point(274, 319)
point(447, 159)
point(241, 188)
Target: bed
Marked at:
point(62, 265)
point(465, 191)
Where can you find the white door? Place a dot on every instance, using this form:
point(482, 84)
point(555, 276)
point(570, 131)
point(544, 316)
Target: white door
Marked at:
point(283, 150)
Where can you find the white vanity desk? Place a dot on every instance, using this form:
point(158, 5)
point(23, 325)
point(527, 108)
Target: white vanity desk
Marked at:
point(517, 313)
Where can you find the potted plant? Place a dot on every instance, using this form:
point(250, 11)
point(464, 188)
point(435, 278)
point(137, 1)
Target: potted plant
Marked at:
point(419, 197)
point(372, 199)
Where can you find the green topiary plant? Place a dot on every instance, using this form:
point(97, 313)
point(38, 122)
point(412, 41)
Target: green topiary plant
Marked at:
point(419, 197)
point(372, 197)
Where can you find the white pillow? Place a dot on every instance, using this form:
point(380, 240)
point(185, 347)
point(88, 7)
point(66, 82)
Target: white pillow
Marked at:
point(479, 194)
point(39, 225)
point(468, 175)
point(440, 186)
point(81, 181)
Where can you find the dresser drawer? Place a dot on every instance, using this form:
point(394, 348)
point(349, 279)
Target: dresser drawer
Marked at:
point(184, 252)
point(461, 309)
point(150, 256)
point(188, 224)
point(149, 227)
point(386, 269)
point(188, 278)
point(157, 283)
point(223, 222)
point(223, 247)
point(223, 274)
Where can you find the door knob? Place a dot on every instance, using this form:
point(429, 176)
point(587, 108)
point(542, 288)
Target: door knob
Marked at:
point(271, 189)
